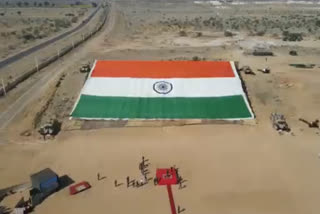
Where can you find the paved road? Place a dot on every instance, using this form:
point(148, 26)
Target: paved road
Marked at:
point(33, 49)
point(51, 74)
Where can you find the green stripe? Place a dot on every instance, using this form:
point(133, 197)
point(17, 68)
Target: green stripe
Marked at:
point(161, 108)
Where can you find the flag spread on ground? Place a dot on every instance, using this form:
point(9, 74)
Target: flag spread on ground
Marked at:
point(162, 90)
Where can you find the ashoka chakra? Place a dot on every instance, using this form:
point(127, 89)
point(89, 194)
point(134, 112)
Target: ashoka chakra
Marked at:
point(162, 87)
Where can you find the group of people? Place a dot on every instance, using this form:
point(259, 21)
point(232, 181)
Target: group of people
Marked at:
point(143, 167)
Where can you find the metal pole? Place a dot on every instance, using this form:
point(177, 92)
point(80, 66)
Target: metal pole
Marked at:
point(36, 61)
point(4, 88)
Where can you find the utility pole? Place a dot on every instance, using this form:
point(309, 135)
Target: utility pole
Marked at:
point(36, 61)
point(4, 88)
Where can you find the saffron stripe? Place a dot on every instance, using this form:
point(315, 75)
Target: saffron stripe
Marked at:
point(163, 69)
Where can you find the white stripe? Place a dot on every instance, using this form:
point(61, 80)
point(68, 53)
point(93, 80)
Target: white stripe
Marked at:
point(182, 87)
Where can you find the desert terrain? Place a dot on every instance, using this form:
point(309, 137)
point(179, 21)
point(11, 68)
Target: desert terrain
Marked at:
point(229, 168)
point(21, 28)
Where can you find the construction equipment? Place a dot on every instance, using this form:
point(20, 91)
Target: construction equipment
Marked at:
point(279, 122)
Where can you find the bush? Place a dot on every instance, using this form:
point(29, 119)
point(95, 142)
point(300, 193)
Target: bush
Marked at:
point(196, 58)
point(182, 33)
point(61, 23)
point(292, 37)
point(198, 34)
point(28, 36)
point(11, 47)
point(260, 33)
point(69, 14)
point(36, 31)
point(293, 53)
point(74, 19)
point(228, 33)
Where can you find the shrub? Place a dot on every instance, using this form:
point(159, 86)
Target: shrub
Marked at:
point(198, 34)
point(292, 37)
point(196, 58)
point(36, 31)
point(61, 23)
point(69, 14)
point(11, 47)
point(28, 36)
point(74, 19)
point(293, 53)
point(260, 33)
point(228, 33)
point(182, 33)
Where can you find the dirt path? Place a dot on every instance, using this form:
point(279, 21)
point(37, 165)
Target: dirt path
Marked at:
point(52, 73)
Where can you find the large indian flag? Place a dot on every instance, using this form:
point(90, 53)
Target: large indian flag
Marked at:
point(162, 90)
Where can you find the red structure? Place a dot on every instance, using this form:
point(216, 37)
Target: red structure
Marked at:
point(79, 187)
point(168, 177)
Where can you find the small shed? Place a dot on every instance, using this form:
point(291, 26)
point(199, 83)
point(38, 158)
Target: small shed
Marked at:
point(43, 183)
point(46, 181)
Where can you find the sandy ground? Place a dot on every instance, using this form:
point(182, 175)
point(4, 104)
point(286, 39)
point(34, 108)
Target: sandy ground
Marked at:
point(229, 168)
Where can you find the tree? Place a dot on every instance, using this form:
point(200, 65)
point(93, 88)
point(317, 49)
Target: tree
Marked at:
point(7, 3)
point(26, 4)
point(94, 4)
point(53, 4)
point(40, 5)
point(35, 4)
point(46, 4)
point(19, 3)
